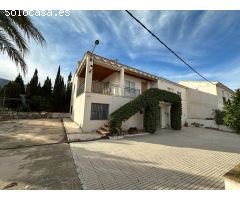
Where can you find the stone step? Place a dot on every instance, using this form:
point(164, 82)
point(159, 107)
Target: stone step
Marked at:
point(105, 128)
point(102, 132)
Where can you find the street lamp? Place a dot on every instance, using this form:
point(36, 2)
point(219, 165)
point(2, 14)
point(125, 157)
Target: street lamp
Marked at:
point(91, 58)
point(96, 43)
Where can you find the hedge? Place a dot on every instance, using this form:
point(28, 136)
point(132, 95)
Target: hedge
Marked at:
point(219, 116)
point(149, 102)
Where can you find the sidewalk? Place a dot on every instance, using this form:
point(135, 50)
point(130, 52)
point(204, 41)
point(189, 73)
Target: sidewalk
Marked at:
point(74, 133)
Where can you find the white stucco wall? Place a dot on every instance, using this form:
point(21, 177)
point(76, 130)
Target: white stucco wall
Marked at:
point(164, 85)
point(201, 104)
point(203, 97)
point(113, 78)
point(202, 86)
point(114, 102)
point(209, 124)
point(77, 103)
point(221, 92)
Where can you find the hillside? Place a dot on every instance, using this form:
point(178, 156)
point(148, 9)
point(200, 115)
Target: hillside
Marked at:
point(3, 82)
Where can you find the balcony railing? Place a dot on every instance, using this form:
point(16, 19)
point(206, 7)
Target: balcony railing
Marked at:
point(80, 89)
point(106, 88)
point(131, 92)
point(110, 89)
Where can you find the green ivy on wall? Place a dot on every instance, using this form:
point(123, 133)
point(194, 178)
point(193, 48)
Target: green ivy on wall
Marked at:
point(149, 102)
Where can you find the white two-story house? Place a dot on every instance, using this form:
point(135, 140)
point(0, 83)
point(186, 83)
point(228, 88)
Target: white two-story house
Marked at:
point(100, 86)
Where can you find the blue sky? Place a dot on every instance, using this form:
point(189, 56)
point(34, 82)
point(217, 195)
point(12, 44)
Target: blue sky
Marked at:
point(208, 40)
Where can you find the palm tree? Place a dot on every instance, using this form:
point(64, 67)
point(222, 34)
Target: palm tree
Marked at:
point(12, 40)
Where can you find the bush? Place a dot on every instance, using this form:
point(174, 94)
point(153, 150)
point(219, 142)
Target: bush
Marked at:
point(232, 112)
point(218, 116)
point(149, 101)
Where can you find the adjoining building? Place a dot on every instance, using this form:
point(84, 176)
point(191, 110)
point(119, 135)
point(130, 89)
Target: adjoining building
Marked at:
point(101, 85)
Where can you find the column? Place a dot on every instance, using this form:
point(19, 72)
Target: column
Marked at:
point(88, 74)
point(122, 82)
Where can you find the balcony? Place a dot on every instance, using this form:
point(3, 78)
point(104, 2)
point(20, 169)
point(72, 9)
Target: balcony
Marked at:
point(110, 89)
point(80, 89)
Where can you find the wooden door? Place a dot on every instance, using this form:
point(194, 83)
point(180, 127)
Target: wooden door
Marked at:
point(144, 87)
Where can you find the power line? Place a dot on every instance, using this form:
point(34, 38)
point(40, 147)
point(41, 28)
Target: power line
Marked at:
point(167, 46)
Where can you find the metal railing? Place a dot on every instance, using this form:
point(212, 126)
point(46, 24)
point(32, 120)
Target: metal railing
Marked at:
point(80, 89)
point(109, 89)
point(106, 88)
point(131, 92)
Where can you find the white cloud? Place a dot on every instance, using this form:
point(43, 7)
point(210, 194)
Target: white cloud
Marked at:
point(120, 35)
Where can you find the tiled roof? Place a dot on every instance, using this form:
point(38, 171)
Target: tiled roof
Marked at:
point(132, 69)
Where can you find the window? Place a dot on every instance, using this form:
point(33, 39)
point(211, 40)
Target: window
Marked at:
point(130, 88)
point(129, 84)
point(179, 93)
point(99, 111)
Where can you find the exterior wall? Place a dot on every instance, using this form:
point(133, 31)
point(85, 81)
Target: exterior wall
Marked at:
point(203, 97)
point(221, 92)
point(200, 86)
point(209, 124)
point(164, 85)
point(200, 104)
point(114, 102)
point(77, 103)
point(113, 78)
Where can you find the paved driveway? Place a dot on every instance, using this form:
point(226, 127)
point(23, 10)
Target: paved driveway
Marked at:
point(40, 166)
point(194, 158)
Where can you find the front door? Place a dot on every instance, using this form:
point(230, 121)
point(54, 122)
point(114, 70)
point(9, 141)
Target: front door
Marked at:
point(144, 86)
point(158, 118)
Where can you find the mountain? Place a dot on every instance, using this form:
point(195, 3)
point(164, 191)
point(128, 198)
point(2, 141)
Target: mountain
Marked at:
point(3, 81)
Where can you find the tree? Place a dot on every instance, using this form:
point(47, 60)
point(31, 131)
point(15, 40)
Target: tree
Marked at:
point(232, 112)
point(46, 93)
point(13, 28)
point(39, 90)
point(33, 92)
point(12, 92)
point(68, 92)
point(19, 81)
point(47, 88)
point(58, 97)
point(32, 86)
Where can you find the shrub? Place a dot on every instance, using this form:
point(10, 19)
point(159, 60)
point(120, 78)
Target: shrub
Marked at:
point(149, 101)
point(232, 112)
point(218, 116)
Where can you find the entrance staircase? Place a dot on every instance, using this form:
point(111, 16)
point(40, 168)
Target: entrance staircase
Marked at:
point(104, 130)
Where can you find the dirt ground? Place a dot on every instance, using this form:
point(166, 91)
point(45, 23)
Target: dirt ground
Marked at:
point(48, 166)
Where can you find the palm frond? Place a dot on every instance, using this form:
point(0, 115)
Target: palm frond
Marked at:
point(29, 29)
point(7, 47)
point(6, 24)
